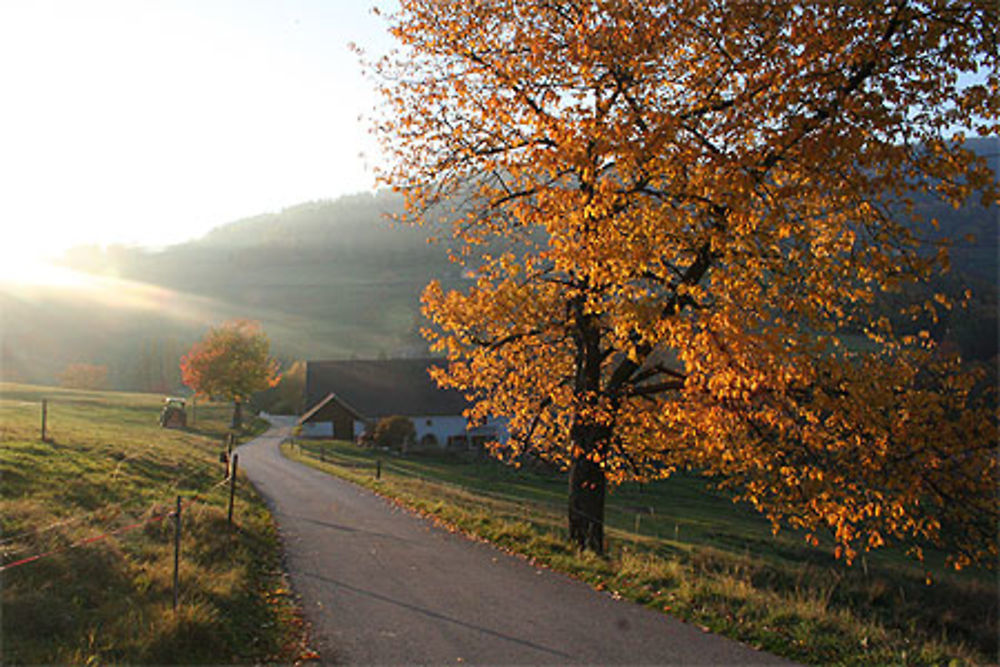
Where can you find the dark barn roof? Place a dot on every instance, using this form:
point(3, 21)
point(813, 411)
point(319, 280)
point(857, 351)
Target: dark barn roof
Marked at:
point(382, 388)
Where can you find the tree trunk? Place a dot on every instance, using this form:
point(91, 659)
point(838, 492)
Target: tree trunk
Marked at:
point(237, 415)
point(586, 476)
point(586, 504)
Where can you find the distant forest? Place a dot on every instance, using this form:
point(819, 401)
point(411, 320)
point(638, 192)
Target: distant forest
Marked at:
point(339, 279)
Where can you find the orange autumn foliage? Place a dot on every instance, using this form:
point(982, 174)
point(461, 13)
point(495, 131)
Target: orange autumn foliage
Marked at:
point(675, 211)
point(231, 362)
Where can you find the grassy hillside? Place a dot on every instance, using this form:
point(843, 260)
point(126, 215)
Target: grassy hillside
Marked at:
point(106, 467)
point(678, 547)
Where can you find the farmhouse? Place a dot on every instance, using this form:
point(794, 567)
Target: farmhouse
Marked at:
point(346, 399)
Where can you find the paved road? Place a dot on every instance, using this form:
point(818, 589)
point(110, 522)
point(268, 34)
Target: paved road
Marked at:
point(382, 586)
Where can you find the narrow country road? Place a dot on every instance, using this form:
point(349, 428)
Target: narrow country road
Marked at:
point(383, 586)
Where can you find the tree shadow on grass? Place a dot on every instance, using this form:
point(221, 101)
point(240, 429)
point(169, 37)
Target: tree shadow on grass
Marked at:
point(51, 605)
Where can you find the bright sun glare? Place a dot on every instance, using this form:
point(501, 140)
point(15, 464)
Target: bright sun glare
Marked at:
point(34, 279)
point(150, 123)
point(29, 270)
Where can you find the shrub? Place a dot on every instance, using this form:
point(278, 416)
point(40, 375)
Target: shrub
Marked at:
point(395, 432)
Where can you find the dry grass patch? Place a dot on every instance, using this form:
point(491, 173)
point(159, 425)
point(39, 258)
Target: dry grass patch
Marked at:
point(108, 467)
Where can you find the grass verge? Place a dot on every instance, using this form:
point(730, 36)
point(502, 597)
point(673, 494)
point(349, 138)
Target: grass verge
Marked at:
point(107, 467)
point(678, 547)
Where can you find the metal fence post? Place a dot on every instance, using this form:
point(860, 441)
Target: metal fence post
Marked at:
point(229, 454)
point(232, 486)
point(177, 548)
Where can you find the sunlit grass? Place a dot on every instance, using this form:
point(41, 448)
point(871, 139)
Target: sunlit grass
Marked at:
point(678, 547)
point(107, 465)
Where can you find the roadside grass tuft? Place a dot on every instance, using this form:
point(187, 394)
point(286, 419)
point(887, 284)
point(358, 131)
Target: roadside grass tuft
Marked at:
point(109, 466)
point(678, 547)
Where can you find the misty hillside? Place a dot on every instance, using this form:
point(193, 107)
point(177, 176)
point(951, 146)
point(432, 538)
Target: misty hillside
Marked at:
point(352, 221)
point(329, 279)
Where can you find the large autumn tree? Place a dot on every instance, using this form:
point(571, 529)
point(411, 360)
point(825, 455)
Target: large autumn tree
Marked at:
point(678, 213)
point(231, 362)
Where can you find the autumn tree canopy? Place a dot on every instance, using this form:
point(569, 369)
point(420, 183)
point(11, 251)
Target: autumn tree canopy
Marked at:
point(231, 362)
point(676, 211)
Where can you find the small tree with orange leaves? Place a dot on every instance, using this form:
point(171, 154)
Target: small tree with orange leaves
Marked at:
point(676, 211)
point(231, 362)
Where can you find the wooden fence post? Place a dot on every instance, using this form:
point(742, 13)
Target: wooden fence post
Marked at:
point(378, 468)
point(177, 548)
point(45, 415)
point(232, 486)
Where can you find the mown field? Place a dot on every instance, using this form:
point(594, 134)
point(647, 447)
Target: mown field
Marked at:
point(679, 547)
point(107, 469)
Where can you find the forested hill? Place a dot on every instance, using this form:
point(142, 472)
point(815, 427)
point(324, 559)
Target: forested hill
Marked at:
point(349, 229)
point(329, 279)
point(361, 223)
point(971, 230)
point(352, 221)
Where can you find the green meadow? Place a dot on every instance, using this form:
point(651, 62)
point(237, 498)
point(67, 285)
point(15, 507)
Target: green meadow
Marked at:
point(682, 548)
point(106, 468)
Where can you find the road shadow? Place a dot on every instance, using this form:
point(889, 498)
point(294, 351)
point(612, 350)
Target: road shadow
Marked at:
point(440, 617)
point(344, 529)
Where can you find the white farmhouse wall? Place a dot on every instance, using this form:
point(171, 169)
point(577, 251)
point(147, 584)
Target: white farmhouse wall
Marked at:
point(441, 427)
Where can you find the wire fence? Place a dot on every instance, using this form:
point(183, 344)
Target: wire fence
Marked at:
point(105, 513)
point(154, 517)
point(630, 514)
point(116, 519)
point(9, 544)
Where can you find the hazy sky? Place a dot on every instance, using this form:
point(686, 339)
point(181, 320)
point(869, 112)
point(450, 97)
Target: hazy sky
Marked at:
point(151, 121)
